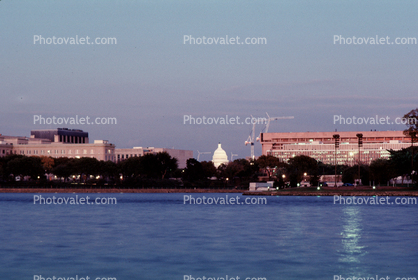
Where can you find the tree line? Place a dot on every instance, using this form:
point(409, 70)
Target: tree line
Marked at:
point(150, 166)
point(201, 174)
point(238, 173)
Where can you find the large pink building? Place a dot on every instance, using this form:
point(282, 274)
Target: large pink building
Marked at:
point(320, 145)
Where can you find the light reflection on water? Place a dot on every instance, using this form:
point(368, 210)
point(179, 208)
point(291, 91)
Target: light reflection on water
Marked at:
point(353, 251)
point(156, 236)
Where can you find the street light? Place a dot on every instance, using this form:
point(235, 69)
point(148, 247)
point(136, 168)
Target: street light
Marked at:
point(337, 145)
point(360, 144)
point(413, 134)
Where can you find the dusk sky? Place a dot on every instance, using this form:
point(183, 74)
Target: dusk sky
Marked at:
point(150, 79)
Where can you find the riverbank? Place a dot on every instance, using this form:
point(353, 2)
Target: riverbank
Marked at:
point(73, 190)
point(326, 191)
point(343, 191)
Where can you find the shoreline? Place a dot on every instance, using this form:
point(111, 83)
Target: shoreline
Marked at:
point(360, 191)
point(69, 190)
point(343, 191)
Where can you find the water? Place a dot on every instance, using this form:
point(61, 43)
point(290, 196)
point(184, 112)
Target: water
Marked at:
point(156, 236)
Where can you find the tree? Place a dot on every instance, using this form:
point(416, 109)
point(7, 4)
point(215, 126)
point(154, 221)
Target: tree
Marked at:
point(209, 168)
point(166, 164)
point(194, 170)
point(131, 167)
point(108, 169)
point(411, 131)
point(299, 165)
point(86, 166)
point(232, 169)
point(380, 171)
point(63, 168)
point(248, 168)
point(47, 163)
point(351, 173)
point(157, 165)
point(268, 163)
point(149, 166)
point(220, 171)
point(412, 121)
point(26, 166)
point(400, 161)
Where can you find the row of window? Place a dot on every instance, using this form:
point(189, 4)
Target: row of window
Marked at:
point(56, 152)
point(50, 152)
point(4, 152)
point(125, 156)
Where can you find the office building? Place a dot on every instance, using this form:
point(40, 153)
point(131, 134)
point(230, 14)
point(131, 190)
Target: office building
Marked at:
point(320, 145)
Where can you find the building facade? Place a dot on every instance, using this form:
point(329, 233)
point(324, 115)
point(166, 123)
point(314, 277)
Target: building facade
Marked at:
point(219, 156)
point(74, 143)
point(59, 142)
point(181, 155)
point(320, 145)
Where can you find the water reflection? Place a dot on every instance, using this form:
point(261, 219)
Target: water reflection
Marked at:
point(351, 236)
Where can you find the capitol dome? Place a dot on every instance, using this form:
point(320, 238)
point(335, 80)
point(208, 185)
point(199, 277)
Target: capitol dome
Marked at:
point(219, 156)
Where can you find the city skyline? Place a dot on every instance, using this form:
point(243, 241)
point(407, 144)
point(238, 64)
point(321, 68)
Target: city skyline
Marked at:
point(151, 78)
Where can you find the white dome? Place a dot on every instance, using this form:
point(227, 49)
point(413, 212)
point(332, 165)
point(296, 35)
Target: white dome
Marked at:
point(219, 156)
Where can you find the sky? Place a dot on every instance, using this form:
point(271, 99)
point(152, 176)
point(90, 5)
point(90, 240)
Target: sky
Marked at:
point(150, 80)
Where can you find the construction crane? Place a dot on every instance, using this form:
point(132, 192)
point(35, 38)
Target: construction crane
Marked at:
point(266, 127)
point(250, 139)
point(201, 153)
point(232, 156)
